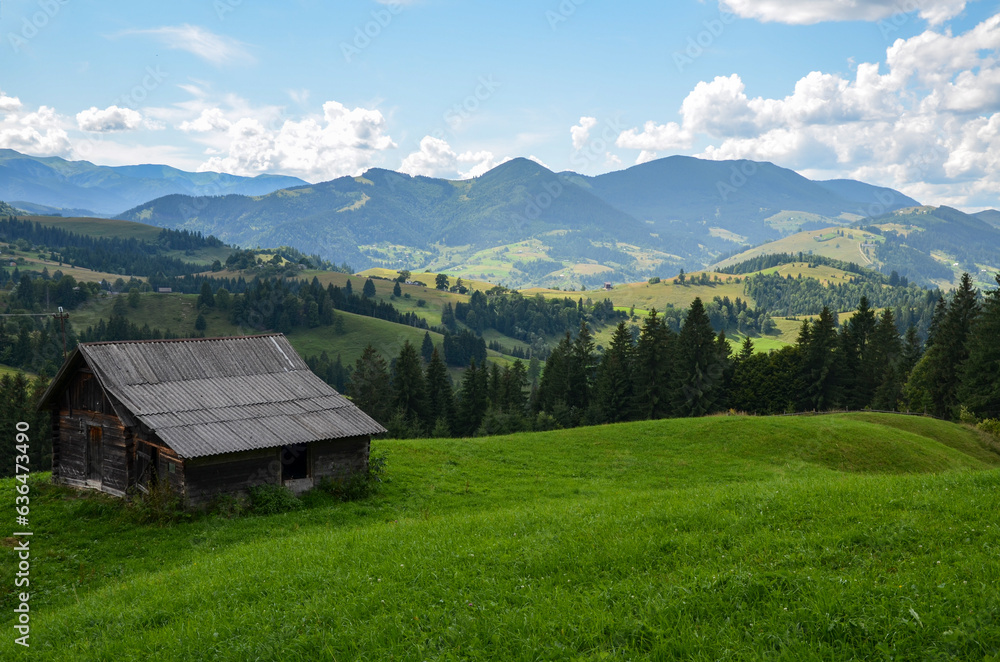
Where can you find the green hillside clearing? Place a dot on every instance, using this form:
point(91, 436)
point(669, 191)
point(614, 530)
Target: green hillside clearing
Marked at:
point(857, 536)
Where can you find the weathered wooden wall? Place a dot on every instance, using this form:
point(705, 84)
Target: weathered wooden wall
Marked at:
point(73, 440)
point(206, 477)
point(337, 458)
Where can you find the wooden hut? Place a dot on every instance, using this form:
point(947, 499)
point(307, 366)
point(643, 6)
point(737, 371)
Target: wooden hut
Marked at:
point(208, 416)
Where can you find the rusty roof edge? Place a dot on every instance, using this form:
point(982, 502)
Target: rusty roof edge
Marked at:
point(177, 340)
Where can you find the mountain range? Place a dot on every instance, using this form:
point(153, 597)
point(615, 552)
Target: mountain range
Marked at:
point(519, 223)
point(680, 208)
point(53, 185)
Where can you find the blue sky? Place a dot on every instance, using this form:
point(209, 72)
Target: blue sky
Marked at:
point(904, 93)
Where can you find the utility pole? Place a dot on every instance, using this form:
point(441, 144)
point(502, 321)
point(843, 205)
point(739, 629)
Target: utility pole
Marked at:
point(62, 317)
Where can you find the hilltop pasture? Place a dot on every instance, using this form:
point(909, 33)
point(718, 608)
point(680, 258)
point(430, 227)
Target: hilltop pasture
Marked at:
point(860, 536)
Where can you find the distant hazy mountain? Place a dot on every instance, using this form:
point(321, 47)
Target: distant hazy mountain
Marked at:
point(870, 200)
point(517, 200)
point(991, 216)
point(734, 195)
point(80, 185)
point(675, 206)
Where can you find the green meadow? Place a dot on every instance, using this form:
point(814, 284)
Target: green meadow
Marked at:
point(860, 536)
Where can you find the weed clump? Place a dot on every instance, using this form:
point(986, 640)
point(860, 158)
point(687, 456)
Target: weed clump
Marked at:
point(272, 499)
point(358, 485)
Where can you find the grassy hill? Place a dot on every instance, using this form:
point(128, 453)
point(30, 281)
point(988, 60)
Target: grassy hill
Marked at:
point(837, 243)
point(858, 536)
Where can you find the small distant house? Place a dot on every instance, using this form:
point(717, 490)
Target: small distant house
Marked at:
point(207, 416)
point(164, 290)
point(608, 287)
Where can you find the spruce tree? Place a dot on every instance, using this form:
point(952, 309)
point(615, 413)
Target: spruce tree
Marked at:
point(408, 387)
point(979, 389)
point(580, 371)
point(885, 362)
point(206, 298)
point(820, 374)
point(368, 291)
point(699, 370)
point(614, 386)
point(427, 346)
point(472, 402)
point(949, 350)
point(440, 401)
point(652, 374)
point(369, 385)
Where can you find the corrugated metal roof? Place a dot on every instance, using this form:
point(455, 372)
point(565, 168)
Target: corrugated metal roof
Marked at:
point(224, 395)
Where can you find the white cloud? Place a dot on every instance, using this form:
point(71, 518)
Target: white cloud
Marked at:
point(807, 12)
point(40, 133)
point(216, 49)
point(341, 142)
point(436, 158)
point(210, 119)
point(655, 137)
point(925, 121)
point(109, 119)
point(9, 104)
point(581, 132)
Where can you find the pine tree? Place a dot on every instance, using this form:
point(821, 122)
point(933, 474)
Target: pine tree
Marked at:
point(885, 362)
point(652, 375)
point(859, 377)
point(472, 402)
point(555, 377)
point(949, 349)
point(699, 370)
point(614, 385)
point(206, 298)
point(427, 346)
point(440, 401)
point(348, 288)
point(820, 374)
point(514, 382)
point(368, 291)
point(979, 389)
point(408, 387)
point(369, 386)
point(580, 370)
point(396, 290)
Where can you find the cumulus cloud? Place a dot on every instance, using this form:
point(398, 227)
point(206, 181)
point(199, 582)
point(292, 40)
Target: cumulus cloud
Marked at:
point(109, 119)
point(215, 49)
point(655, 137)
point(808, 12)
point(342, 142)
point(925, 121)
point(210, 119)
point(436, 158)
point(581, 132)
point(9, 104)
point(39, 133)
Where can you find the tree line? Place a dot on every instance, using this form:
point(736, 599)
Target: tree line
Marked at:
point(864, 363)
